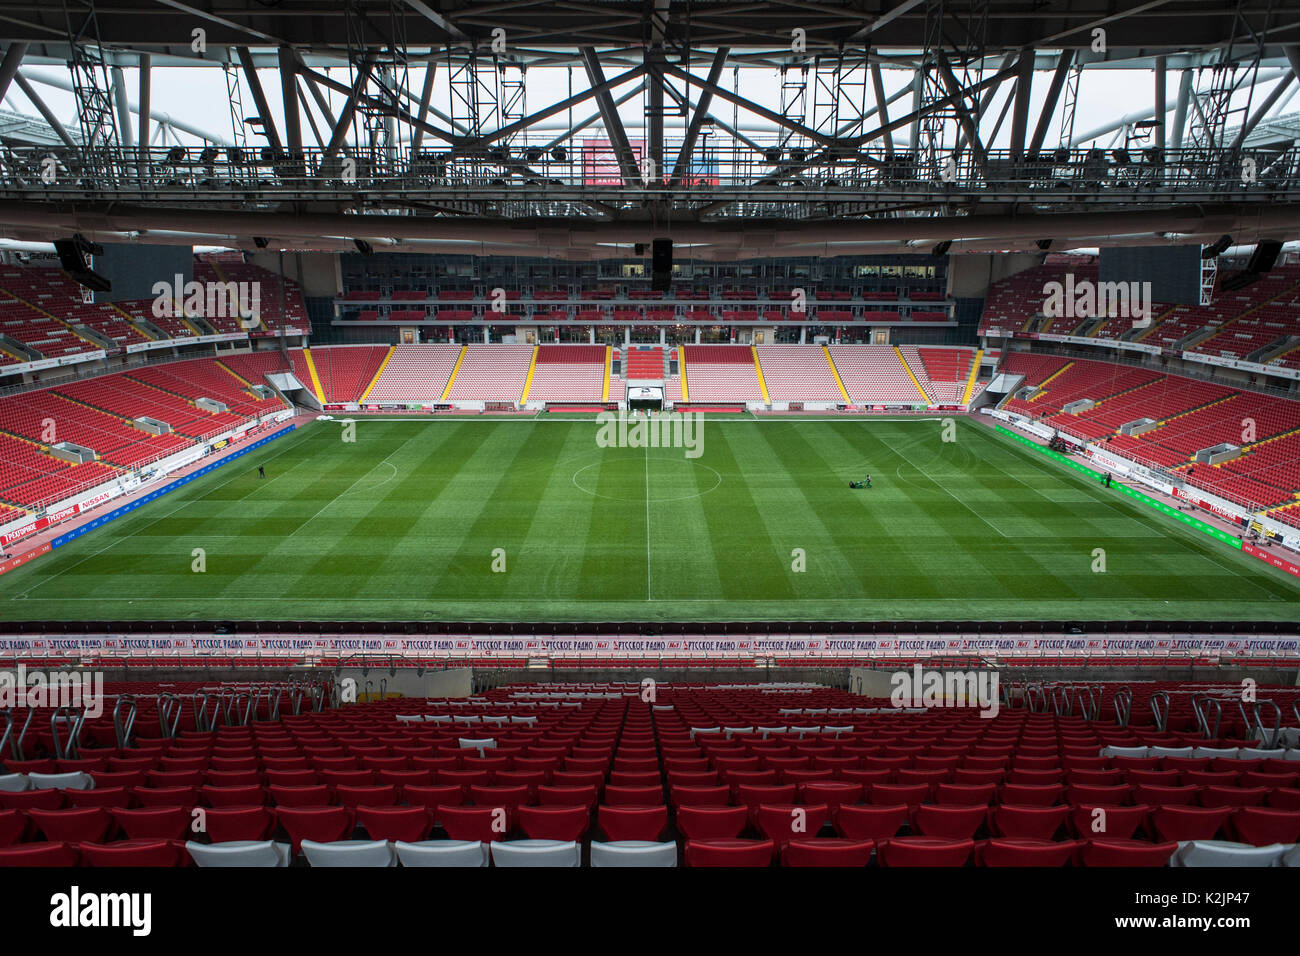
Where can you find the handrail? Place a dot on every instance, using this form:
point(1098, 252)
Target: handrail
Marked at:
point(1268, 738)
point(1160, 709)
point(169, 714)
point(1123, 703)
point(1089, 701)
point(124, 726)
point(72, 719)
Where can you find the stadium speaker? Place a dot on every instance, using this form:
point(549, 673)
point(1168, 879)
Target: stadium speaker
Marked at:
point(72, 255)
point(363, 247)
point(261, 242)
point(1265, 256)
point(1218, 248)
point(1043, 244)
point(941, 248)
point(661, 265)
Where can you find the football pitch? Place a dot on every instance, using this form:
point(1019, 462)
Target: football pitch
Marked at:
point(533, 520)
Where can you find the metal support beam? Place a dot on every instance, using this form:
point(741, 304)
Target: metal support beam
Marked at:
point(9, 65)
point(311, 120)
point(44, 110)
point(1063, 66)
point(289, 101)
point(349, 110)
point(1249, 126)
point(584, 123)
point(1020, 115)
point(1161, 77)
point(426, 94)
point(878, 87)
point(968, 125)
point(756, 108)
point(125, 134)
point(613, 125)
point(59, 83)
point(146, 95)
point(1180, 110)
point(259, 97)
point(655, 82)
point(698, 117)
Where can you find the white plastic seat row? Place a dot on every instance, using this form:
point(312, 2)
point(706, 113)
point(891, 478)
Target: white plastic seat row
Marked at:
point(1224, 753)
point(17, 782)
point(435, 853)
point(1200, 853)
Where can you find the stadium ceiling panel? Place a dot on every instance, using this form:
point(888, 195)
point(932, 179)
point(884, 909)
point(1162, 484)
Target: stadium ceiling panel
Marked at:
point(746, 129)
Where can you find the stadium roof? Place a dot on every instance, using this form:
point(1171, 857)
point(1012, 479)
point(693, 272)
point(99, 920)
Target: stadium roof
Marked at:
point(839, 127)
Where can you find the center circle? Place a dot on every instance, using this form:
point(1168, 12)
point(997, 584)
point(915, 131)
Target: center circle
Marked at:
point(629, 478)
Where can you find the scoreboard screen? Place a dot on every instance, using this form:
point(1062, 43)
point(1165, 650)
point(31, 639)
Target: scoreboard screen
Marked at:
point(1173, 271)
point(134, 268)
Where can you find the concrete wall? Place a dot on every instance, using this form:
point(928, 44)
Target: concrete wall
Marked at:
point(407, 683)
point(317, 273)
point(969, 275)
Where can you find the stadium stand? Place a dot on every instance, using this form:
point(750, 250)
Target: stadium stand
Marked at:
point(568, 373)
point(492, 373)
point(721, 373)
point(416, 373)
point(346, 371)
point(798, 373)
point(713, 774)
point(876, 374)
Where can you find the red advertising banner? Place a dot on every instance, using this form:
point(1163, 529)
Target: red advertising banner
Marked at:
point(24, 558)
point(1277, 560)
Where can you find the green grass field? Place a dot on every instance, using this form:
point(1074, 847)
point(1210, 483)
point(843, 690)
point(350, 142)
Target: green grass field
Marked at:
point(403, 524)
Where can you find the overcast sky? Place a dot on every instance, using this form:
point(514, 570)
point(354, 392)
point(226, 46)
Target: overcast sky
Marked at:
point(197, 96)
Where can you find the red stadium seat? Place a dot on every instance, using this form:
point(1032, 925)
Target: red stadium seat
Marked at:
point(711, 822)
point(1126, 853)
point(318, 824)
point(746, 853)
point(72, 826)
point(146, 853)
point(924, 851)
point(870, 822)
point(554, 822)
point(482, 824)
point(827, 852)
point(39, 854)
point(1179, 823)
point(947, 822)
point(1019, 852)
point(225, 824)
point(1261, 826)
point(408, 824)
point(632, 822)
point(1027, 823)
point(154, 823)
